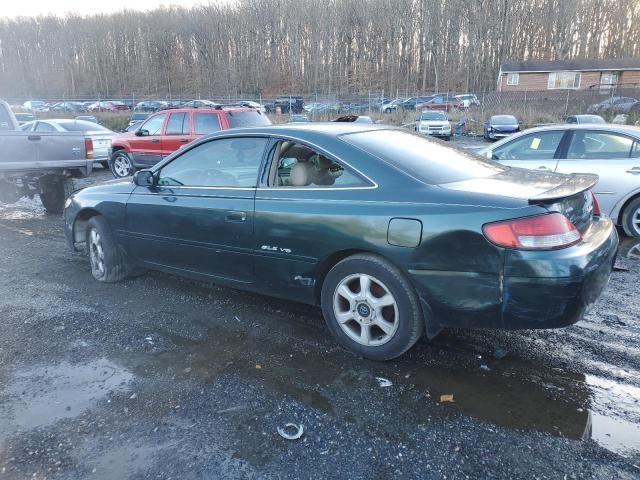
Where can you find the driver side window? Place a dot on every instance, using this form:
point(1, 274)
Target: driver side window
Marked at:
point(537, 146)
point(229, 162)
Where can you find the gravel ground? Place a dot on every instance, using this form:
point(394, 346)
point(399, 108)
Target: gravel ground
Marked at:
point(159, 377)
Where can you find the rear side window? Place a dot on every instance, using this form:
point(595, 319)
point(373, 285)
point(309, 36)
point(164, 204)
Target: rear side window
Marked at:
point(599, 145)
point(427, 160)
point(178, 124)
point(251, 118)
point(204, 123)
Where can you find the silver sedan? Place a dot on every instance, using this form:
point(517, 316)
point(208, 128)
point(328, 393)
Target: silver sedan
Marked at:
point(100, 135)
point(610, 151)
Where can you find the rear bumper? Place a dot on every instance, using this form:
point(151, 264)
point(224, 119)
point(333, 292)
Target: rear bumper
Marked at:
point(537, 290)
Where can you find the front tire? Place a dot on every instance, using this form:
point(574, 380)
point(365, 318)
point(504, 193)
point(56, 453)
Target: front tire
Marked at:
point(631, 218)
point(371, 308)
point(121, 164)
point(108, 262)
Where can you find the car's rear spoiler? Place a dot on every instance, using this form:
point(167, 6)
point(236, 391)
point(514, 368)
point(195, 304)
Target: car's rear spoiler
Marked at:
point(576, 183)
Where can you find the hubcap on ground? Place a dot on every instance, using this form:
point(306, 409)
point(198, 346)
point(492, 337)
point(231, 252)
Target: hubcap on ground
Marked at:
point(122, 166)
point(96, 254)
point(365, 310)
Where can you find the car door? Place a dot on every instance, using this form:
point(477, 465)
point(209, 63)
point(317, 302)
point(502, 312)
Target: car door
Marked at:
point(536, 151)
point(146, 146)
point(611, 156)
point(176, 133)
point(293, 228)
point(198, 218)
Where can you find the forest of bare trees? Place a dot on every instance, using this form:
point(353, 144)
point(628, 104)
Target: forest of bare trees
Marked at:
point(262, 47)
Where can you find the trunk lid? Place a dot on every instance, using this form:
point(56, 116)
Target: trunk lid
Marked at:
point(568, 194)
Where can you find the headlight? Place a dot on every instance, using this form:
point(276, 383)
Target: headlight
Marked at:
point(68, 202)
point(489, 129)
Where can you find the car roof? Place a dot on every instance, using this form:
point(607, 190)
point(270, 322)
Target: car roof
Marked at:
point(315, 129)
point(607, 127)
point(221, 108)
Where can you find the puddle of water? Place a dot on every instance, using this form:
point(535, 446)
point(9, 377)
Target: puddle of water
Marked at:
point(41, 396)
point(513, 393)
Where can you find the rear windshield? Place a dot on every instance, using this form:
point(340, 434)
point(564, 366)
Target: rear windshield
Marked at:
point(250, 118)
point(81, 126)
point(427, 160)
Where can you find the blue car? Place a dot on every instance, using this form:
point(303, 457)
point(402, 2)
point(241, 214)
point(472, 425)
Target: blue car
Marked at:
point(500, 126)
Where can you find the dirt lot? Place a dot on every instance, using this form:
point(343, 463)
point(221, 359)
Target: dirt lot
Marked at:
point(159, 377)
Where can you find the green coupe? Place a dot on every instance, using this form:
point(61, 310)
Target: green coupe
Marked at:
point(392, 234)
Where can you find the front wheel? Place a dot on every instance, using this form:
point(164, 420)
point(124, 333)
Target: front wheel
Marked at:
point(108, 262)
point(121, 164)
point(631, 219)
point(371, 308)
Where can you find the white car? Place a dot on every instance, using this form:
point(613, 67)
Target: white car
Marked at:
point(434, 123)
point(100, 136)
point(252, 104)
point(610, 151)
point(391, 106)
point(468, 100)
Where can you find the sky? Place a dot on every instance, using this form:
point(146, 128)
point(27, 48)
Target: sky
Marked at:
point(13, 8)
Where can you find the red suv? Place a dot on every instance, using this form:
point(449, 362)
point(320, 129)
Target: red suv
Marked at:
point(441, 102)
point(168, 130)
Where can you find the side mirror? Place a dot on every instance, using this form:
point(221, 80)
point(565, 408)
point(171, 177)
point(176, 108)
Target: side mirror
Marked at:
point(144, 178)
point(142, 133)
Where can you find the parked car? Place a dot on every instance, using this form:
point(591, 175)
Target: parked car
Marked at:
point(251, 104)
point(200, 104)
point(109, 106)
point(315, 107)
point(298, 119)
point(289, 104)
point(391, 106)
point(412, 102)
point(150, 106)
point(434, 123)
point(23, 118)
point(441, 102)
point(585, 119)
point(468, 100)
point(100, 136)
point(613, 105)
point(500, 126)
point(34, 105)
point(137, 118)
point(67, 107)
point(88, 118)
point(166, 131)
point(354, 118)
point(610, 151)
point(379, 227)
point(42, 163)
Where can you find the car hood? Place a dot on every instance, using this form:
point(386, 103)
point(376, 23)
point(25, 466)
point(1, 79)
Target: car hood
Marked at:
point(505, 128)
point(117, 186)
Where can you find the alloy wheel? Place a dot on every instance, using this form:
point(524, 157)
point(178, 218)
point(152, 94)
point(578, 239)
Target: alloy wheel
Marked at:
point(122, 166)
point(635, 221)
point(366, 310)
point(96, 254)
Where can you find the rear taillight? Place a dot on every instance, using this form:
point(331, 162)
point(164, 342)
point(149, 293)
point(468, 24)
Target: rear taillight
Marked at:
point(88, 147)
point(540, 232)
point(596, 205)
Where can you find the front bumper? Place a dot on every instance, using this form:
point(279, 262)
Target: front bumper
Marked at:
point(538, 289)
point(436, 133)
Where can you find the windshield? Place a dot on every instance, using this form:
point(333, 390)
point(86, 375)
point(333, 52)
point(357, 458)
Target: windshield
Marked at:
point(251, 118)
point(427, 160)
point(503, 120)
point(81, 126)
point(433, 116)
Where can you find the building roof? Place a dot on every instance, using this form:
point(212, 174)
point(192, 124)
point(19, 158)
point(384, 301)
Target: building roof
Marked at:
point(575, 65)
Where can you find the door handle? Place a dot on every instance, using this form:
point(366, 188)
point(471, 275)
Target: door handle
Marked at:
point(634, 171)
point(34, 138)
point(155, 140)
point(184, 140)
point(236, 216)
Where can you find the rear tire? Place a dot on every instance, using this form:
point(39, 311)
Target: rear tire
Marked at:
point(54, 192)
point(371, 308)
point(121, 164)
point(107, 260)
point(631, 218)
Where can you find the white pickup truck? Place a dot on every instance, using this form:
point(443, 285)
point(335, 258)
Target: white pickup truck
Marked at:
point(42, 163)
